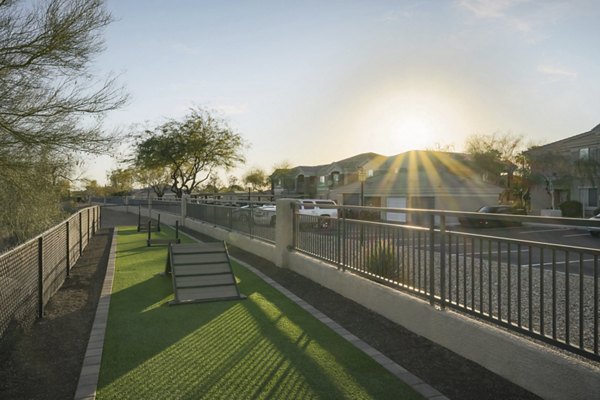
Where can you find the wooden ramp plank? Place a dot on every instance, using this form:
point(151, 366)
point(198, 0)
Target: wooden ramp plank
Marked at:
point(205, 269)
point(193, 248)
point(210, 293)
point(201, 258)
point(199, 281)
point(202, 272)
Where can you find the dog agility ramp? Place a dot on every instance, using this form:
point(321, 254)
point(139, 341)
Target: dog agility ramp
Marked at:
point(201, 272)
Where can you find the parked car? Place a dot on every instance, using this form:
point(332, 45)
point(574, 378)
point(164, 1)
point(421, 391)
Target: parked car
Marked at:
point(488, 223)
point(265, 215)
point(594, 230)
point(317, 208)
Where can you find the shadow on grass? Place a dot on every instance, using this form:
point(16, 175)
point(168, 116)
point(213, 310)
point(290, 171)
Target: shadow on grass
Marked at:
point(263, 347)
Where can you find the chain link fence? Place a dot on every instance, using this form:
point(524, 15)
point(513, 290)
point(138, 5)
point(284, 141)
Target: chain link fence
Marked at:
point(31, 273)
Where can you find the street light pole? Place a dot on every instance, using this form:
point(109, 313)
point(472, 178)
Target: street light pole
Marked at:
point(361, 178)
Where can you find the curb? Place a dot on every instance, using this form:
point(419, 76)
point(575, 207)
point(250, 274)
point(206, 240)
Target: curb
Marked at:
point(90, 371)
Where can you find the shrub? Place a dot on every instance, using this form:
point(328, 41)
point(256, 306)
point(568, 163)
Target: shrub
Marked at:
point(571, 209)
point(382, 260)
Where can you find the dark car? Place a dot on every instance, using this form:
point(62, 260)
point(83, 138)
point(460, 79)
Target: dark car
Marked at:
point(490, 222)
point(594, 230)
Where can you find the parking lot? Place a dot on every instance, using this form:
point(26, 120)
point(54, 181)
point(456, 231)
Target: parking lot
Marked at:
point(566, 236)
point(533, 249)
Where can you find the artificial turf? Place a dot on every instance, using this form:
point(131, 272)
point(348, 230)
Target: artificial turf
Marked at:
point(262, 347)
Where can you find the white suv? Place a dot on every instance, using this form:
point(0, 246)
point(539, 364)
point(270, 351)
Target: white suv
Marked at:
point(315, 208)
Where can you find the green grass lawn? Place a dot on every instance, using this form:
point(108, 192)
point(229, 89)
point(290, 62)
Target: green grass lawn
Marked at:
point(262, 347)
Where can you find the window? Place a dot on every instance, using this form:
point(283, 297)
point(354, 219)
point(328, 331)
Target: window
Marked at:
point(370, 173)
point(308, 205)
point(589, 197)
point(336, 178)
point(322, 179)
point(584, 154)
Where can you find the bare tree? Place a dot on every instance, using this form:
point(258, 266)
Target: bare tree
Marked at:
point(45, 83)
point(52, 105)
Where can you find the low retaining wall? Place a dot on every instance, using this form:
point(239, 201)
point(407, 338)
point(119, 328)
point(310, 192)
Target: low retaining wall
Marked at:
point(537, 368)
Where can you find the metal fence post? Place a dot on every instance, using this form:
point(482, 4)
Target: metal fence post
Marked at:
point(344, 241)
point(432, 259)
point(68, 249)
point(443, 261)
point(80, 235)
point(251, 218)
point(338, 233)
point(41, 277)
point(88, 225)
point(294, 225)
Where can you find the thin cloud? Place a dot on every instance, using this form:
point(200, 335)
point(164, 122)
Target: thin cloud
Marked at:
point(232, 109)
point(557, 72)
point(403, 13)
point(489, 8)
point(529, 18)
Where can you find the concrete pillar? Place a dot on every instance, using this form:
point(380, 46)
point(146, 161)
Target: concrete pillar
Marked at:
point(284, 232)
point(183, 208)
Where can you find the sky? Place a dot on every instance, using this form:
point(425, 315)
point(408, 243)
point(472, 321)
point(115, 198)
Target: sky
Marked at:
point(311, 82)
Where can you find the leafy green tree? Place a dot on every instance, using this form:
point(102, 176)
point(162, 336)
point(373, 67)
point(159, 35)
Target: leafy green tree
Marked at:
point(546, 168)
point(121, 181)
point(495, 154)
point(257, 178)
point(233, 184)
point(191, 149)
point(155, 178)
point(213, 185)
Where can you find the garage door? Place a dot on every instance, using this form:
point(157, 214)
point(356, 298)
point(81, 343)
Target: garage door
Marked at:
point(396, 202)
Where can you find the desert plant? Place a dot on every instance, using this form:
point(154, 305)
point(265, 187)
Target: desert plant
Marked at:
point(382, 259)
point(571, 209)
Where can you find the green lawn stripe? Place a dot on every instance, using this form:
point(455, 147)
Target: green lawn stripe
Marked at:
point(263, 347)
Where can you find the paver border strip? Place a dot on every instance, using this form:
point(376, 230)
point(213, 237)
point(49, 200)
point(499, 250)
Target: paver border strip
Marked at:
point(90, 371)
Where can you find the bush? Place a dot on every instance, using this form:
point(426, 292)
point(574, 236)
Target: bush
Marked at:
point(382, 260)
point(571, 209)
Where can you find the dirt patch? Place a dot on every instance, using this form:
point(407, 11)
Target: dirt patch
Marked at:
point(44, 361)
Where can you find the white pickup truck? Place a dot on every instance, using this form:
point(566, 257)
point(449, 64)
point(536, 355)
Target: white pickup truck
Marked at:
point(315, 208)
point(265, 215)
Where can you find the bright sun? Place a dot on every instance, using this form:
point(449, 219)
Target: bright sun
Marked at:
point(403, 120)
point(412, 133)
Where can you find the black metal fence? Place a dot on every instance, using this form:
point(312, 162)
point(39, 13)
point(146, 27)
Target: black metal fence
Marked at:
point(544, 290)
point(32, 272)
point(253, 219)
